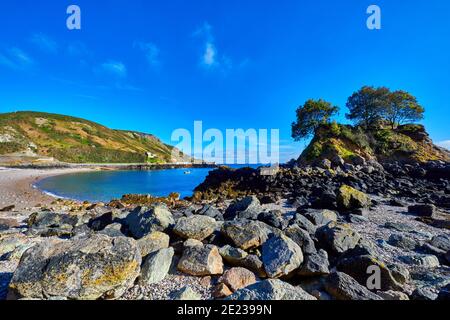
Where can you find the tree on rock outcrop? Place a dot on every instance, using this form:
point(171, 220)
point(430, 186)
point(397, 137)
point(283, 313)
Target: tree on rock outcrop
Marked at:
point(403, 108)
point(310, 116)
point(367, 105)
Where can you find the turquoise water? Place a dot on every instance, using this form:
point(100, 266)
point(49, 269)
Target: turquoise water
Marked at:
point(107, 185)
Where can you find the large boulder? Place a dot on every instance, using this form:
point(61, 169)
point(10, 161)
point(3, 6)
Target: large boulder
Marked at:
point(349, 198)
point(195, 227)
point(441, 242)
point(248, 207)
point(302, 238)
point(247, 234)
point(319, 217)
point(142, 220)
point(281, 256)
point(153, 242)
point(201, 261)
point(156, 266)
point(337, 238)
point(271, 289)
point(341, 286)
point(84, 269)
point(48, 224)
point(358, 266)
point(315, 264)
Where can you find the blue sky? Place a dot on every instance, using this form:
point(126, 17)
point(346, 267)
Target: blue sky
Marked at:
point(156, 66)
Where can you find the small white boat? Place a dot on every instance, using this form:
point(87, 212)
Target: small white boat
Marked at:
point(187, 172)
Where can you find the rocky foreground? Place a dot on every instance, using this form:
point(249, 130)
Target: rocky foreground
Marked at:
point(304, 233)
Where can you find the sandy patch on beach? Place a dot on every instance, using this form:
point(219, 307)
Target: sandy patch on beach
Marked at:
point(16, 186)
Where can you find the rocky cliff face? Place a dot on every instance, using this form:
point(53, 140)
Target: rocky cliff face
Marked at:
point(406, 144)
point(68, 139)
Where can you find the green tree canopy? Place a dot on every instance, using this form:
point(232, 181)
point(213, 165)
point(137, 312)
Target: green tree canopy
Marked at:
point(310, 116)
point(403, 108)
point(367, 105)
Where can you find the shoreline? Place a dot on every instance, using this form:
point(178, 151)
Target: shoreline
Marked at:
point(17, 186)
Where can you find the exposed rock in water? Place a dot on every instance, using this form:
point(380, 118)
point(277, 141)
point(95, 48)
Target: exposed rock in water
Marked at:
point(89, 268)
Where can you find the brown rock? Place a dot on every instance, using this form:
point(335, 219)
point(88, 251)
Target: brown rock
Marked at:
point(201, 261)
point(238, 278)
point(221, 291)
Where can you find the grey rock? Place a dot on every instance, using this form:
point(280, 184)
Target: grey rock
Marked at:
point(337, 238)
point(304, 223)
point(271, 289)
point(248, 206)
point(113, 230)
point(402, 241)
point(422, 260)
point(156, 266)
point(343, 287)
point(143, 220)
point(319, 217)
point(210, 211)
point(441, 242)
point(232, 255)
point(195, 227)
point(247, 234)
point(393, 295)
point(281, 256)
point(400, 273)
point(153, 242)
point(201, 261)
point(85, 269)
point(444, 294)
point(422, 210)
point(424, 294)
point(186, 293)
point(302, 238)
point(315, 264)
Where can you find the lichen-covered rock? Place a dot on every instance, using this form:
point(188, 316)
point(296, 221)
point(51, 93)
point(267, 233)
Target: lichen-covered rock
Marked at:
point(84, 269)
point(238, 278)
point(271, 289)
point(195, 227)
point(246, 234)
point(153, 242)
point(337, 238)
point(349, 198)
point(281, 256)
point(156, 266)
point(201, 261)
point(143, 220)
point(343, 287)
point(232, 255)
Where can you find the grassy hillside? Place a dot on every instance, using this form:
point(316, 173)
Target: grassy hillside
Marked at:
point(408, 143)
point(75, 140)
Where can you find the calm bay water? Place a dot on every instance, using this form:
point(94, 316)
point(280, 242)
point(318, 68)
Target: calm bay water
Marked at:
point(106, 185)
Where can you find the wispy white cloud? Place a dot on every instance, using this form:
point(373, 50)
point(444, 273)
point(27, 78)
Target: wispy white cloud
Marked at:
point(15, 58)
point(210, 54)
point(444, 144)
point(151, 52)
point(44, 43)
point(114, 68)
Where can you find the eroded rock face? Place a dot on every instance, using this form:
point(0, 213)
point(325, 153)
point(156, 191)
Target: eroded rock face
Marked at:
point(81, 269)
point(201, 261)
point(143, 220)
point(271, 289)
point(281, 256)
point(195, 227)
